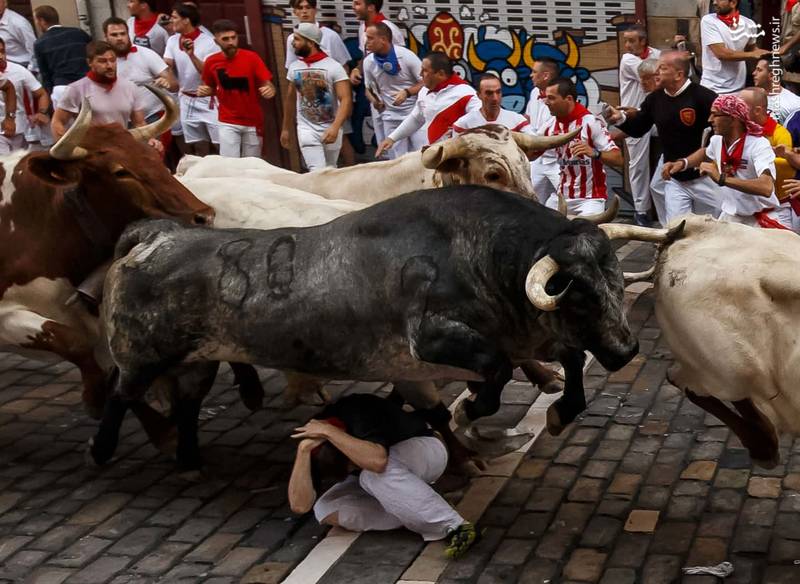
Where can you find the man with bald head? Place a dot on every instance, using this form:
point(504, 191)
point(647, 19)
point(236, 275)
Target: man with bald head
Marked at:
point(680, 110)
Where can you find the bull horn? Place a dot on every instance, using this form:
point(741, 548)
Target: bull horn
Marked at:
point(162, 124)
point(634, 232)
point(535, 284)
point(606, 216)
point(531, 143)
point(633, 277)
point(437, 153)
point(67, 147)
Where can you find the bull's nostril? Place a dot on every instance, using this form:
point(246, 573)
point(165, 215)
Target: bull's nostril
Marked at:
point(200, 219)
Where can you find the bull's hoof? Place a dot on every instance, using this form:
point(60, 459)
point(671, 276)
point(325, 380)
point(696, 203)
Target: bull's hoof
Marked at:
point(552, 386)
point(470, 468)
point(490, 444)
point(554, 424)
point(97, 454)
point(767, 464)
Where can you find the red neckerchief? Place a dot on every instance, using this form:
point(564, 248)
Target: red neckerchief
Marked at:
point(141, 26)
point(105, 82)
point(790, 4)
point(541, 95)
point(577, 113)
point(645, 53)
point(732, 19)
point(731, 162)
point(191, 36)
point(452, 80)
point(380, 18)
point(318, 56)
point(131, 49)
point(3, 68)
point(769, 126)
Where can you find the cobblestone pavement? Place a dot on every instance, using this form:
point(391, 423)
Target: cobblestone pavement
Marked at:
point(642, 485)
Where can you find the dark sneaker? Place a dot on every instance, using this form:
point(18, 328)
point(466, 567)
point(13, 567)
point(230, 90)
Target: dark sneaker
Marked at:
point(460, 540)
point(642, 219)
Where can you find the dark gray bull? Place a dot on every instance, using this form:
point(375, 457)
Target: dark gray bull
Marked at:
point(457, 283)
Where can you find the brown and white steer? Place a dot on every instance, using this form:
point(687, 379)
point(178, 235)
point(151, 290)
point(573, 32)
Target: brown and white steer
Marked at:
point(61, 213)
point(728, 303)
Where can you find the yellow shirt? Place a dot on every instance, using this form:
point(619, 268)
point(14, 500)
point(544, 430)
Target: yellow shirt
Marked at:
point(781, 136)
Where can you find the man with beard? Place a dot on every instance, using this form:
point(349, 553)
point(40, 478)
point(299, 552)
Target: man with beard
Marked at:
point(728, 40)
point(319, 99)
point(144, 28)
point(237, 77)
point(139, 65)
point(114, 100)
point(782, 102)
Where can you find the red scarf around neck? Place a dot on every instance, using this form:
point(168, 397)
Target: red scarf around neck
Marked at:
point(380, 18)
point(731, 19)
point(141, 26)
point(105, 82)
point(644, 54)
point(542, 94)
point(769, 126)
point(790, 4)
point(131, 49)
point(732, 161)
point(577, 113)
point(191, 36)
point(318, 56)
point(452, 80)
point(4, 67)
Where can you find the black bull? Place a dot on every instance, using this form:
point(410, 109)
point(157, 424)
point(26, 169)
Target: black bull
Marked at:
point(426, 286)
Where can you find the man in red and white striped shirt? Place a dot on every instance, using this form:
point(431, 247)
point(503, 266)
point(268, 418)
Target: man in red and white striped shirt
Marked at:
point(583, 179)
point(444, 98)
point(490, 92)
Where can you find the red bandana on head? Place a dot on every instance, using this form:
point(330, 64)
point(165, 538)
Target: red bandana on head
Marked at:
point(731, 19)
point(452, 80)
point(141, 26)
point(318, 56)
point(191, 36)
point(105, 82)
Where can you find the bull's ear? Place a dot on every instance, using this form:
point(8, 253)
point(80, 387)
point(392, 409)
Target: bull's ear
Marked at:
point(54, 172)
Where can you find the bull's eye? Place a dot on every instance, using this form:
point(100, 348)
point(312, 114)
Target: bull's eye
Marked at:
point(493, 176)
point(122, 172)
point(509, 77)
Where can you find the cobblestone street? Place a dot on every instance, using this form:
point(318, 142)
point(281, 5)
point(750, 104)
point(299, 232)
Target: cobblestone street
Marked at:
point(642, 485)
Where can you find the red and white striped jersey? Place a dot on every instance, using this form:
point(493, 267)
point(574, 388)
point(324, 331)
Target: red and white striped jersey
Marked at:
point(582, 177)
point(475, 119)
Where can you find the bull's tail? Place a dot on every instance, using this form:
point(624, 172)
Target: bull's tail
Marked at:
point(143, 232)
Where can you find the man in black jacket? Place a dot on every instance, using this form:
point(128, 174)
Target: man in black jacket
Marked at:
point(680, 110)
point(60, 52)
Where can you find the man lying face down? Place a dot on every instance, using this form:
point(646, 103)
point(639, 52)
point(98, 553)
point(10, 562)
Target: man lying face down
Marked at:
point(384, 460)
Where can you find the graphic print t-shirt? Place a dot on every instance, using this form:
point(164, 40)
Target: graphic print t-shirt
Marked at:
point(316, 94)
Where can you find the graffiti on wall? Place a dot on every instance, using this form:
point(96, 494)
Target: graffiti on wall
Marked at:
point(511, 52)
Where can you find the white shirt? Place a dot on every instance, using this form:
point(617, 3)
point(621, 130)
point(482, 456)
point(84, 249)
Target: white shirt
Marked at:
point(757, 157)
point(317, 103)
point(582, 177)
point(108, 107)
point(397, 35)
point(386, 86)
point(475, 119)
point(781, 105)
point(155, 39)
point(631, 93)
point(541, 119)
point(331, 43)
point(188, 76)
point(724, 76)
point(139, 67)
point(433, 110)
point(24, 84)
point(18, 34)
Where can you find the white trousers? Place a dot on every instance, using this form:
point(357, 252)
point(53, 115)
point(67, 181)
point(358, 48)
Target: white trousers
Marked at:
point(579, 206)
point(316, 154)
point(545, 178)
point(401, 496)
point(658, 192)
point(639, 171)
point(16, 142)
point(238, 141)
point(696, 196)
point(413, 143)
point(377, 125)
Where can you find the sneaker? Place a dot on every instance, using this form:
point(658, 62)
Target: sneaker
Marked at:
point(642, 220)
point(460, 540)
